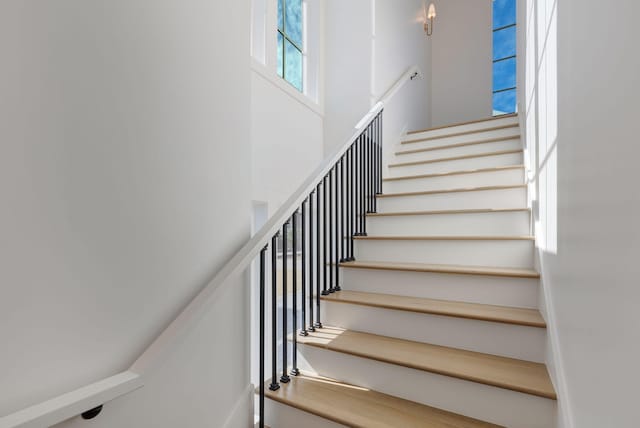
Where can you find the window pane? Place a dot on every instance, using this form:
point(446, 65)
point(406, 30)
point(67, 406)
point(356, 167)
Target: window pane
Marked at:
point(293, 65)
point(280, 55)
point(504, 12)
point(504, 43)
point(504, 74)
point(504, 102)
point(293, 17)
point(280, 16)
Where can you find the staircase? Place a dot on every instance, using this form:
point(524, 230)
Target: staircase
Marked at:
point(437, 323)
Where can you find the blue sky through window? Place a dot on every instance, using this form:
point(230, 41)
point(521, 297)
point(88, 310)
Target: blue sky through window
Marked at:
point(504, 47)
point(290, 58)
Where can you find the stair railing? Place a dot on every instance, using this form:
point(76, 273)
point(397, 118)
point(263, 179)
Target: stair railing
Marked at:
point(329, 217)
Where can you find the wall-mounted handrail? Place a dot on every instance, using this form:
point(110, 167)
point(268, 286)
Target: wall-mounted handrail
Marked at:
point(74, 403)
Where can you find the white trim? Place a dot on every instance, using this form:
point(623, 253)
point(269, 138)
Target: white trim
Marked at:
point(270, 76)
point(71, 404)
point(242, 413)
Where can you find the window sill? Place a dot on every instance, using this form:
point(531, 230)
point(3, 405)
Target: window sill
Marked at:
point(280, 83)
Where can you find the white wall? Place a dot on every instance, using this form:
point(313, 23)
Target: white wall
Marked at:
point(581, 106)
point(125, 183)
point(286, 141)
point(461, 58)
point(369, 44)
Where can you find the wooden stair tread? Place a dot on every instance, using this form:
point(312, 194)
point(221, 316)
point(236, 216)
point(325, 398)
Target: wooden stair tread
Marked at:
point(458, 190)
point(438, 268)
point(448, 212)
point(443, 238)
point(469, 122)
point(502, 372)
point(454, 158)
point(476, 311)
point(457, 145)
point(361, 407)
point(459, 134)
point(461, 172)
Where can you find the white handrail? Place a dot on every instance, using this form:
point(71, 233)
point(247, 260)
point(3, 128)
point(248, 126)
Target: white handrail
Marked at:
point(73, 403)
point(68, 405)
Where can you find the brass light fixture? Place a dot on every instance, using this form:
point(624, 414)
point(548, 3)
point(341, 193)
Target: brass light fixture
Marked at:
point(429, 14)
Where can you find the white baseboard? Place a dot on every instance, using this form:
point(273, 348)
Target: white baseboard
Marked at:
point(241, 415)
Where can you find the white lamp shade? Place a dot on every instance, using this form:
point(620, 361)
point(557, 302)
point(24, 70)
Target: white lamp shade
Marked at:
point(432, 11)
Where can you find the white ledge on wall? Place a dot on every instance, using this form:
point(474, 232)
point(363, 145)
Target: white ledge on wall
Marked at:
point(277, 81)
point(73, 403)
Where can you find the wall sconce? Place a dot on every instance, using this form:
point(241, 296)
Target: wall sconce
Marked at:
point(428, 18)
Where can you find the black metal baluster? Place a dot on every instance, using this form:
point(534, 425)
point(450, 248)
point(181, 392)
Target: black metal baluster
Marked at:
point(336, 220)
point(325, 280)
point(371, 169)
point(367, 163)
point(381, 151)
point(311, 324)
point(329, 232)
point(318, 323)
point(363, 189)
point(285, 377)
point(263, 256)
point(343, 207)
point(350, 180)
point(294, 315)
point(303, 300)
point(274, 312)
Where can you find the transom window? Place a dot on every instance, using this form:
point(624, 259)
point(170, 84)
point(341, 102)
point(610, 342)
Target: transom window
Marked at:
point(290, 52)
point(504, 56)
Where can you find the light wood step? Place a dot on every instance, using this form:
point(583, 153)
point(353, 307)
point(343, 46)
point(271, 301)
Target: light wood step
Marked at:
point(459, 134)
point(502, 314)
point(508, 373)
point(457, 145)
point(445, 174)
point(361, 407)
point(450, 269)
point(436, 192)
point(449, 212)
point(470, 122)
point(455, 158)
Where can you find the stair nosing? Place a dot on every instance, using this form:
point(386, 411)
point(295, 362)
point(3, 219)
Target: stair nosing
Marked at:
point(284, 398)
point(470, 122)
point(444, 238)
point(450, 212)
point(444, 269)
point(433, 369)
point(456, 158)
point(460, 172)
point(460, 134)
point(459, 190)
point(458, 145)
point(431, 311)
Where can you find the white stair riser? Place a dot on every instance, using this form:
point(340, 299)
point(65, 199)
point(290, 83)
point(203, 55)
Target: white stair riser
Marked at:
point(495, 199)
point(282, 416)
point(468, 138)
point(491, 290)
point(513, 144)
point(488, 403)
point(507, 340)
point(478, 126)
point(503, 253)
point(480, 179)
point(495, 224)
point(457, 165)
